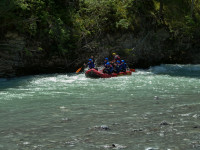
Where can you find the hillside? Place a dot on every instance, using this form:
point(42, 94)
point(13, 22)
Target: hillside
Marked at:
point(46, 36)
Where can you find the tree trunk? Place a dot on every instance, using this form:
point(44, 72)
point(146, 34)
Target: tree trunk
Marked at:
point(192, 8)
point(161, 11)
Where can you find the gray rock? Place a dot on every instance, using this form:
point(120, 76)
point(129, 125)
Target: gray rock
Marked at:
point(197, 127)
point(105, 127)
point(164, 123)
point(156, 97)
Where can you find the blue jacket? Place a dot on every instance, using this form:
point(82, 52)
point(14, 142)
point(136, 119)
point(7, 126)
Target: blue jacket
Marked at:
point(109, 68)
point(104, 63)
point(91, 64)
point(123, 66)
point(117, 68)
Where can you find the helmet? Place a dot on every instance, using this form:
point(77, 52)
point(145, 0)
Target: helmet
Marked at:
point(114, 53)
point(107, 63)
point(118, 61)
point(123, 61)
point(90, 59)
point(106, 58)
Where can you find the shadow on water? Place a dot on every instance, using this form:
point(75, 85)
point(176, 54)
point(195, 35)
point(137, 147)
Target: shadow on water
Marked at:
point(15, 82)
point(190, 71)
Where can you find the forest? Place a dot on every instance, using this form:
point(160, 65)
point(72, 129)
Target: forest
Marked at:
point(65, 33)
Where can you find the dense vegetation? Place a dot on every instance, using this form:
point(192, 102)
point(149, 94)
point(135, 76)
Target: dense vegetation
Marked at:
point(46, 22)
point(65, 26)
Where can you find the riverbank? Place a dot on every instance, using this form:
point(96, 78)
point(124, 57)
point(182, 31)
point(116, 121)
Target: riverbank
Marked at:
point(20, 56)
point(18, 63)
point(51, 37)
point(16, 59)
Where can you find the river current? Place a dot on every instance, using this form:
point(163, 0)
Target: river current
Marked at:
point(154, 109)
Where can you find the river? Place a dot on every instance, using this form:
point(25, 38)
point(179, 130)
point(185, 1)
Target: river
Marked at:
point(154, 109)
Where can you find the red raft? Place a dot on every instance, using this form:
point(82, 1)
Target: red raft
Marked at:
point(93, 73)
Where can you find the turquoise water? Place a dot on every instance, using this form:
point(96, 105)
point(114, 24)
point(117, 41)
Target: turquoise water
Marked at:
point(157, 109)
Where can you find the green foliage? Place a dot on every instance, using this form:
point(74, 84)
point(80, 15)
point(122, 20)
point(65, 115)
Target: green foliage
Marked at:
point(178, 17)
point(46, 21)
point(62, 25)
point(123, 23)
point(6, 15)
point(40, 49)
point(27, 52)
point(95, 16)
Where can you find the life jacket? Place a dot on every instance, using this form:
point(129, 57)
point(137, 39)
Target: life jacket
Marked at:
point(91, 64)
point(117, 58)
point(109, 68)
point(117, 68)
point(123, 66)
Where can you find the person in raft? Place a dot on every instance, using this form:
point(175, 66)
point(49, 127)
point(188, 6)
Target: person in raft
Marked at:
point(90, 64)
point(105, 61)
point(92, 57)
point(108, 68)
point(123, 66)
point(117, 67)
point(116, 57)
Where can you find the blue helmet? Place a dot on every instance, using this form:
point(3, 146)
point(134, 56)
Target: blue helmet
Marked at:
point(107, 63)
point(90, 59)
point(106, 58)
point(118, 61)
point(123, 61)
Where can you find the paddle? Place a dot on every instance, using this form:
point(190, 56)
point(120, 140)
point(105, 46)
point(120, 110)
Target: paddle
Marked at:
point(77, 71)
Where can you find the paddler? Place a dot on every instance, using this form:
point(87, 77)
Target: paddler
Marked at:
point(108, 68)
point(105, 61)
point(92, 57)
point(90, 64)
point(116, 57)
point(123, 66)
point(117, 66)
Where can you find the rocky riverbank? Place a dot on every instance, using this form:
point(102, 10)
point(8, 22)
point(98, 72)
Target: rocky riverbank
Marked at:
point(17, 60)
point(140, 51)
point(145, 49)
point(18, 63)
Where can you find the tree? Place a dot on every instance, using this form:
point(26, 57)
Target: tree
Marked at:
point(161, 11)
point(5, 7)
point(192, 8)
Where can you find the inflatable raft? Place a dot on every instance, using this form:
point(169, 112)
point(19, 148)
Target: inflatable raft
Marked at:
point(93, 73)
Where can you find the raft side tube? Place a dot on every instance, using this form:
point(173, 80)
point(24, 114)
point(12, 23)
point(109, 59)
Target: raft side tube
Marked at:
point(93, 73)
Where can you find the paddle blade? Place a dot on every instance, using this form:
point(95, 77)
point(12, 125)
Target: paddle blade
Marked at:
point(133, 70)
point(77, 71)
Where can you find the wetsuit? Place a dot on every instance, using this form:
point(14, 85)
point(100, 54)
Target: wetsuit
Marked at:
point(108, 69)
point(90, 64)
point(117, 68)
point(123, 67)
